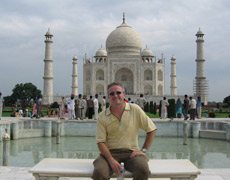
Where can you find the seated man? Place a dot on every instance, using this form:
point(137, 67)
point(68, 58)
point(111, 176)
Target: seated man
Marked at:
point(117, 137)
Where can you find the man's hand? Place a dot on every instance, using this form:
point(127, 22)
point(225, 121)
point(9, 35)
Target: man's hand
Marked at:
point(115, 166)
point(136, 153)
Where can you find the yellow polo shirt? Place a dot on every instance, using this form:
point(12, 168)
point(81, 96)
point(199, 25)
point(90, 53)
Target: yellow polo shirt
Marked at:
point(123, 133)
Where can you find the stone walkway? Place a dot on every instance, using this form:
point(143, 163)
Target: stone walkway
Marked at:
point(20, 173)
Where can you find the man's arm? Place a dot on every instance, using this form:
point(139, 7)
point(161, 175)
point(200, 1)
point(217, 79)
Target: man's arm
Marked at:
point(112, 162)
point(148, 142)
point(149, 139)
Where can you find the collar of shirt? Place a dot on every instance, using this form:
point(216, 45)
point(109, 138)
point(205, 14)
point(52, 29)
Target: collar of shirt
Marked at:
point(127, 108)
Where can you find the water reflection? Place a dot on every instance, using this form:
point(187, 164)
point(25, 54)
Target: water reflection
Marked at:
point(204, 153)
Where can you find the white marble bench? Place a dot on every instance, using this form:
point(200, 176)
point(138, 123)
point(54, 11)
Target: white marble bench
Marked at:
point(53, 169)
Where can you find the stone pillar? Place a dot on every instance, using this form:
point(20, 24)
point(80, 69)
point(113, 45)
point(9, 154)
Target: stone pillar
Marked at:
point(201, 85)
point(1, 131)
point(173, 77)
point(195, 129)
point(75, 77)
point(15, 131)
point(47, 97)
point(48, 128)
point(228, 132)
point(6, 149)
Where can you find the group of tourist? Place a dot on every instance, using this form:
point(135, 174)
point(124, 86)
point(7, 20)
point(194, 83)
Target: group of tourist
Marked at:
point(78, 107)
point(192, 105)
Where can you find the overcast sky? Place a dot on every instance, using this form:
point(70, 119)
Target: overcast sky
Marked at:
point(82, 26)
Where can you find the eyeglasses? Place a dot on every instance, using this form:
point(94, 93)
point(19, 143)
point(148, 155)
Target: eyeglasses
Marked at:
point(113, 93)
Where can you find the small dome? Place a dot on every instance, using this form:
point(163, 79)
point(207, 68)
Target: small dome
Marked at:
point(75, 58)
point(173, 58)
point(147, 53)
point(199, 32)
point(101, 52)
point(48, 33)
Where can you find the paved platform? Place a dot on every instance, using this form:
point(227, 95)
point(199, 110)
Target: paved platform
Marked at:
point(21, 173)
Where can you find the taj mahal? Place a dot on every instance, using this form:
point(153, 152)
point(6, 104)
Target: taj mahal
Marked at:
point(124, 60)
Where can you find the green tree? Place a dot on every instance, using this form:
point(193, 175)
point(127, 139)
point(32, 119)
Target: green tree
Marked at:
point(227, 100)
point(25, 93)
point(9, 101)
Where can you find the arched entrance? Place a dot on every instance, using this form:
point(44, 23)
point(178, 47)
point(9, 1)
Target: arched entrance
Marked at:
point(125, 77)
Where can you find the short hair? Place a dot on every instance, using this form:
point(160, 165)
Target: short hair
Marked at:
point(185, 95)
point(115, 84)
point(141, 95)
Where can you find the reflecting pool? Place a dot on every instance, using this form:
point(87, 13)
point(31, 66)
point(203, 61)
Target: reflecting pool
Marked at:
point(204, 153)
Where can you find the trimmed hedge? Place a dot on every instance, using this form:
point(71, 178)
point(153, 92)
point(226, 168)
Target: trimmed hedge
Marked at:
point(172, 108)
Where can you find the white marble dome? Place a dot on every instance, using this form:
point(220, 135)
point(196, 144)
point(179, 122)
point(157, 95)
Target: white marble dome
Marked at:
point(147, 53)
point(124, 36)
point(101, 52)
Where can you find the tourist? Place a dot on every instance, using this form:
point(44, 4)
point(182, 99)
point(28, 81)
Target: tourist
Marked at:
point(116, 135)
point(62, 108)
point(178, 108)
point(38, 107)
point(103, 103)
point(34, 110)
point(84, 106)
point(192, 105)
point(79, 107)
point(1, 105)
point(141, 101)
point(49, 111)
point(198, 107)
point(129, 100)
point(71, 104)
point(96, 107)
point(27, 113)
point(17, 113)
point(164, 106)
point(20, 113)
point(90, 107)
point(185, 107)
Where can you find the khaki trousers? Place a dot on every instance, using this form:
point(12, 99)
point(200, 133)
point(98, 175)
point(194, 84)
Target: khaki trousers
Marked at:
point(137, 165)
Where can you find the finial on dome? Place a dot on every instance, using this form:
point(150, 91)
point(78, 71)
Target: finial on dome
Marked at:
point(123, 17)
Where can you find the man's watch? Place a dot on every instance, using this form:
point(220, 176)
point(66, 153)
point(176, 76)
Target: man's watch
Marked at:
point(144, 150)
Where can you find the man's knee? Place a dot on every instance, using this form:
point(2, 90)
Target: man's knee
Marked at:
point(100, 174)
point(101, 169)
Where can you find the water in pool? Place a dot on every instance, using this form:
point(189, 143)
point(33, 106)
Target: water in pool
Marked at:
point(204, 153)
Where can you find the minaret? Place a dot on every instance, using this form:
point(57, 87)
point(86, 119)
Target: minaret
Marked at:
point(200, 85)
point(173, 77)
point(48, 70)
point(75, 77)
